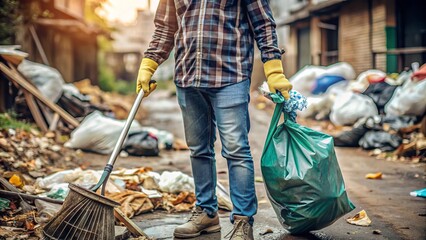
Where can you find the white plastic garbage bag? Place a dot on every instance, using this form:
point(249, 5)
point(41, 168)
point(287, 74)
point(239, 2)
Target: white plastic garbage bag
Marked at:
point(343, 69)
point(176, 182)
point(348, 107)
point(319, 106)
point(47, 79)
point(409, 99)
point(304, 80)
point(98, 133)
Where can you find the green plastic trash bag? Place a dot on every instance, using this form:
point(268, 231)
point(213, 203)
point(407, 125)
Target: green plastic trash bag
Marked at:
point(302, 176)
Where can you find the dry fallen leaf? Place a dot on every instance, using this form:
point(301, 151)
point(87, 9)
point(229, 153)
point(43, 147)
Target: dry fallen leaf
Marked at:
point(377, 175)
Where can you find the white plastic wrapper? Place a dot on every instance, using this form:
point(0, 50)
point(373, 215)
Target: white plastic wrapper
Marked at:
point(56, 178)
point(176, 182)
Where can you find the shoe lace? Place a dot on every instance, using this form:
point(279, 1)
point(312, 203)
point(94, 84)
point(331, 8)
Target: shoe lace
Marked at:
point(240, 230)
point(195, 215)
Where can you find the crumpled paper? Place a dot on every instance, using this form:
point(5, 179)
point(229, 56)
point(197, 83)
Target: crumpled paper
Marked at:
point(360, 219)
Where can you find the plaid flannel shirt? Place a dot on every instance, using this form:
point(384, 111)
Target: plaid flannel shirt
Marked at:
point(213, 39)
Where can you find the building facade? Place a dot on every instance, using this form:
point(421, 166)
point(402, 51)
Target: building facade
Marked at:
point(56, 34)
point(384, 34)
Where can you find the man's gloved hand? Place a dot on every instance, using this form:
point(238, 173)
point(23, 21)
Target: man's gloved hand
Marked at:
point(276, 79)
point(146, 70)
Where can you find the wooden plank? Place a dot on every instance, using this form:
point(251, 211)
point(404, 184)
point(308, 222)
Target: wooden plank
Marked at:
point(54, 123)
point(35, 111)
point(133, 228)
point(38, 45)
point(46, 112)
point(36, 93)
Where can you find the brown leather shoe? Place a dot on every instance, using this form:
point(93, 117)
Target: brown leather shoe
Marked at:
point(242, 229)
point(199, 223)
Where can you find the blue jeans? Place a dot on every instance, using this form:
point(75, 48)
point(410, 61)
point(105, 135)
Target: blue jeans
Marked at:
point(204, 109)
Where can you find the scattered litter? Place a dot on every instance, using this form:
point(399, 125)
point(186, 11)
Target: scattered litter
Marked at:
point(151, 193)
point(180, 145)
point(377, 175)
point(31, 155)
point(377, 232)
point(175, 182)
point(267, 231)
point(132, 203)
point(223, 198)
point(58, 191)
point(4, 204)
point(419, 193)
point(16, 181)
point(46, 210)
point(56, 178)
point(360, 219)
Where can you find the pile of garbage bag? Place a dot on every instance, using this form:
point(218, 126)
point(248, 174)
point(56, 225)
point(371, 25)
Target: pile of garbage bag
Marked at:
point(379, 108)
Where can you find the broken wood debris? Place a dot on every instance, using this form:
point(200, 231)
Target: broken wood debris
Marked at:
point(32, 92)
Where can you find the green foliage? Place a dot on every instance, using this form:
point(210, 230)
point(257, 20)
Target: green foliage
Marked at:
point(106, 76)
point(8, 120)
point(9, 19)
point(125, 87)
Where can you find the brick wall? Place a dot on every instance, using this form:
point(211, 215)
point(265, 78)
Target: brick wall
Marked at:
point(354, 36)
point(379, 32)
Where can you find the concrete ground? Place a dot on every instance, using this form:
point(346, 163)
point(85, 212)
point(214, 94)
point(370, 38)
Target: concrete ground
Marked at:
point(394, 213)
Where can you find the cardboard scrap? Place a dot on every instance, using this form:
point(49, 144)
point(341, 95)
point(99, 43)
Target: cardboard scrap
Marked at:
point(132, 203)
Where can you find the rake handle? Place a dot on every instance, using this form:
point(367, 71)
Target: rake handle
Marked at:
point(119, 144)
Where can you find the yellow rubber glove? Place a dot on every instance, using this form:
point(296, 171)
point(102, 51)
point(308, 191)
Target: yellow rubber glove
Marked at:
point(276, 79)
point(146, 70)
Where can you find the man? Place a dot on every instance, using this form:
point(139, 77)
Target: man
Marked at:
point(213, 41)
